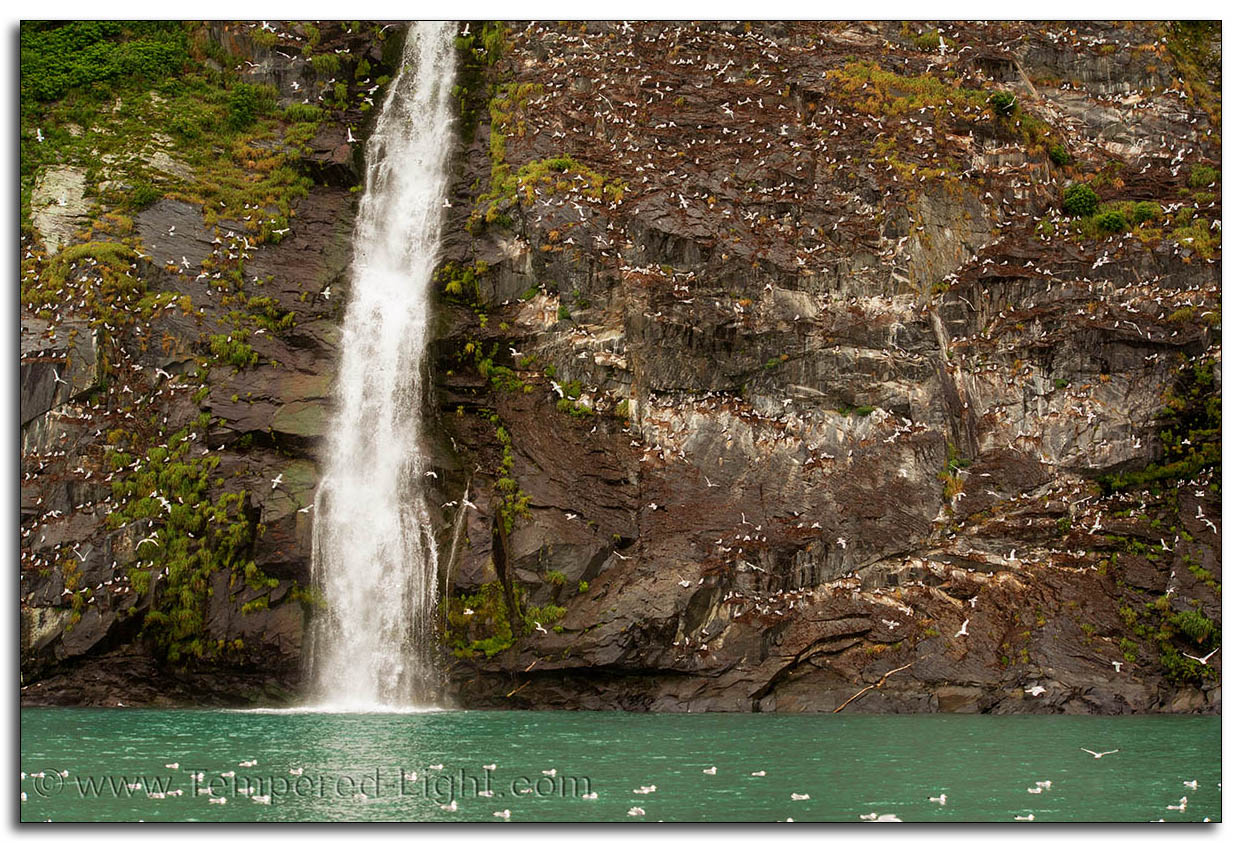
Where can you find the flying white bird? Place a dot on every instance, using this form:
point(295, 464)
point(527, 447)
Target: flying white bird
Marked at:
point(1204, 659)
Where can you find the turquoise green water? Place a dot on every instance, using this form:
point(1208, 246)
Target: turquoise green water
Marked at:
point(317, 766)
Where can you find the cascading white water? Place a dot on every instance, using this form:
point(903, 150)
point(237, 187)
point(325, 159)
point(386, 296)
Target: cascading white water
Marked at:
point(374, 554)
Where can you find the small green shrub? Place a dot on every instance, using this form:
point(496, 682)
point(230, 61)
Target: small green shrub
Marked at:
point(1144, 211)
point(326, 64)
point(1079, 200)
point(263, 38)
point(303, 112)
point(1112, 221)
point(1195, 625)
point(1003, 103)
point(144, 194)
point(1059, 156)
point(1201, 175)
point(247, 102)
point(234, 349)
point(929, 42)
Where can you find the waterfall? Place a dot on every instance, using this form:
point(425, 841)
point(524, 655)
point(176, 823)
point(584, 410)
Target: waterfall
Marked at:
point(374, 556)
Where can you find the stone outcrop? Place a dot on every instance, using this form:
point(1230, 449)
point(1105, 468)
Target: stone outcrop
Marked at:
point(772, 372)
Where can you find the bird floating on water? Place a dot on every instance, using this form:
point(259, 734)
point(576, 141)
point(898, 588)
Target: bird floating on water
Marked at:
point(711, 771)
point(1028, 818)
point(941, 798)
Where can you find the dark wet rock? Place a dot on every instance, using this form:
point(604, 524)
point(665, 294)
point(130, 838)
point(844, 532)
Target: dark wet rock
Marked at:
point(58, 364)
point(173, 231)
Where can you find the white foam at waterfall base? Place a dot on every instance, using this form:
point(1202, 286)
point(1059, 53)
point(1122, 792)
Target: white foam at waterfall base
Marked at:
point(374, 558)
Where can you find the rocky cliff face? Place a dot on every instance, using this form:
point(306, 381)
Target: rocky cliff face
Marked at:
point(775, 362)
